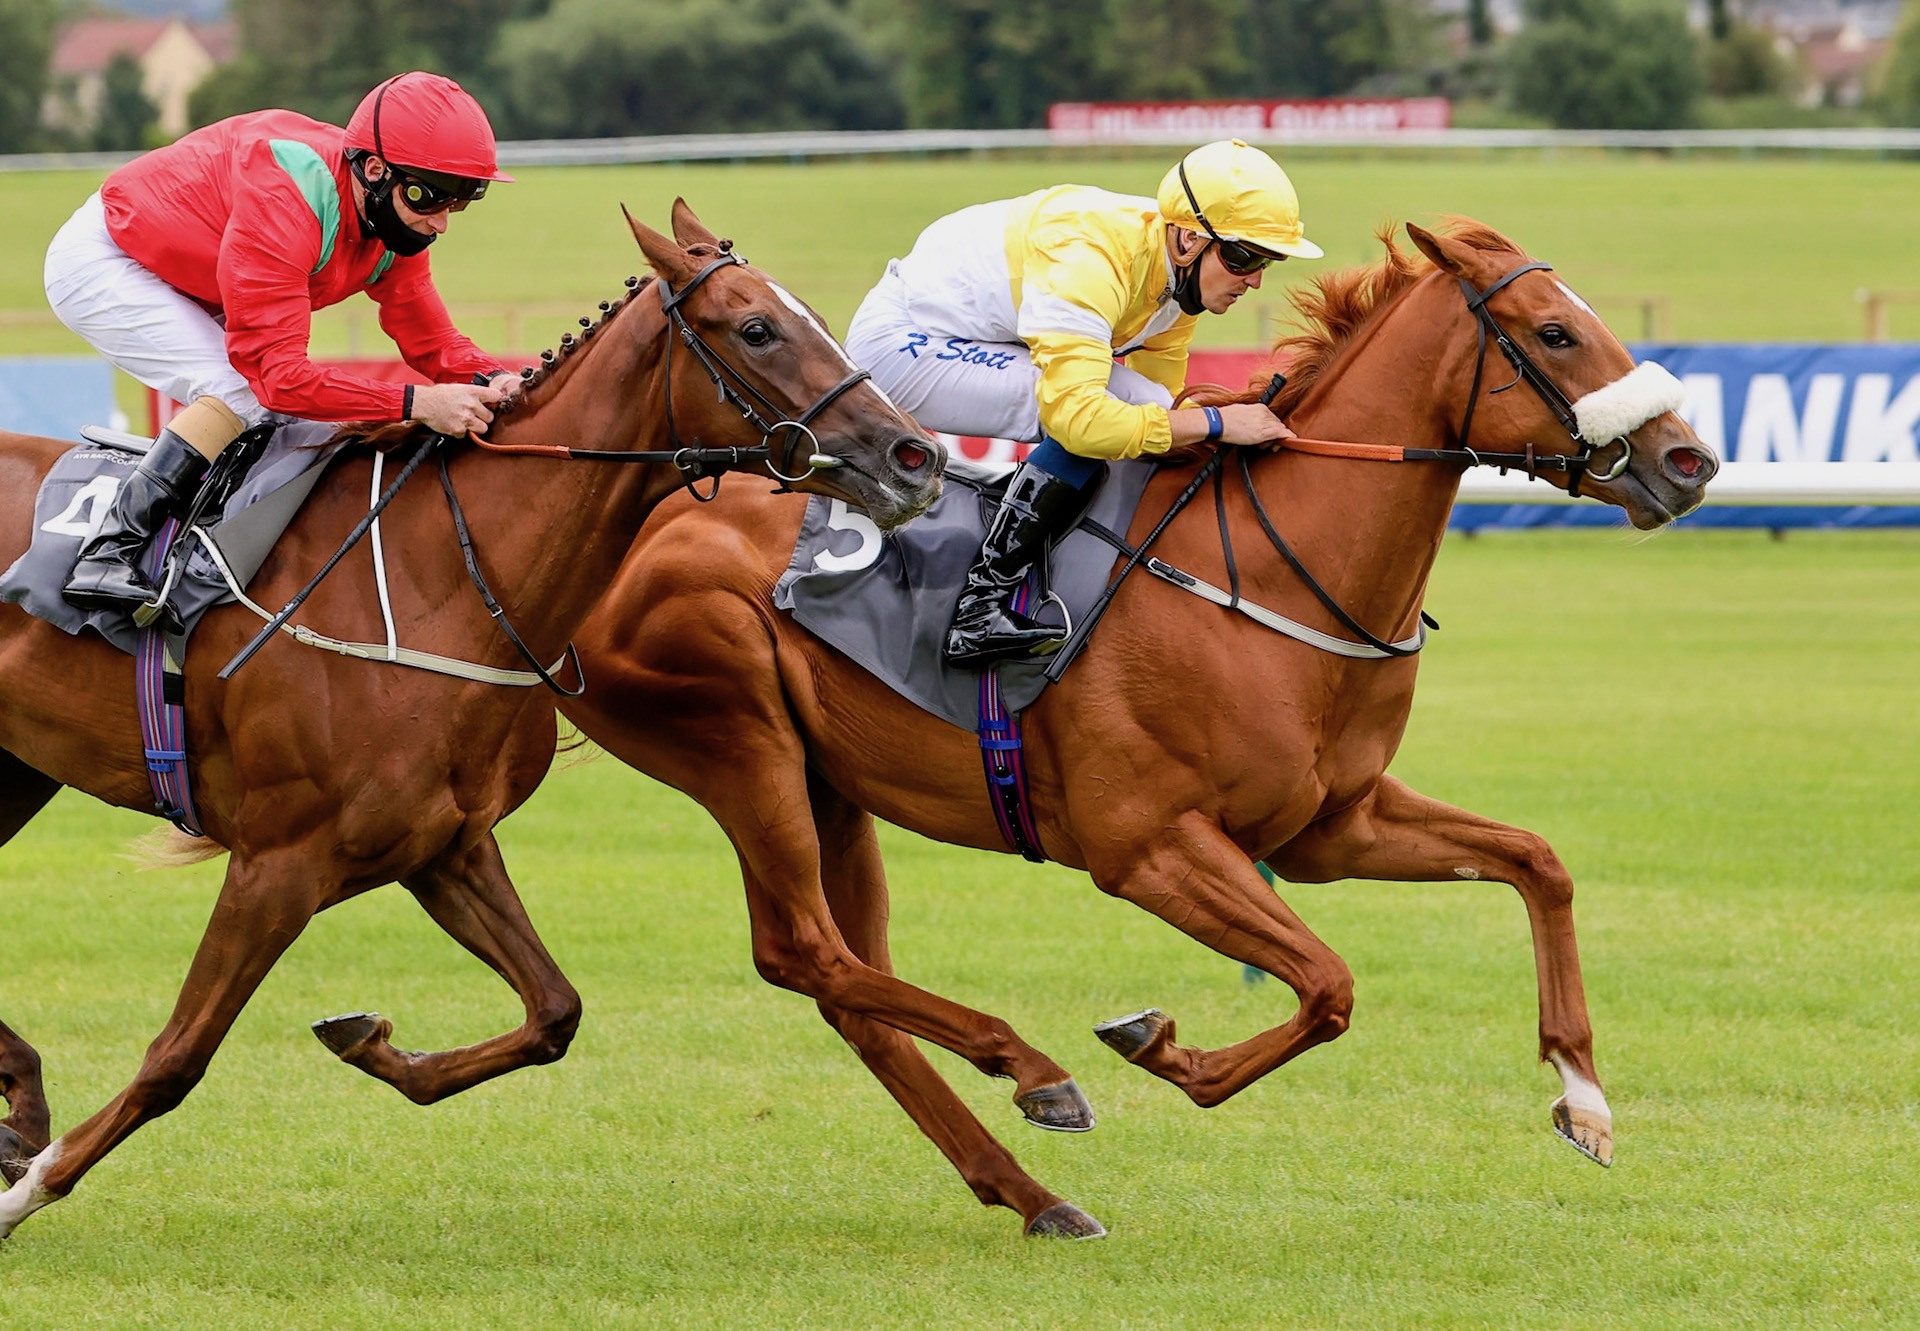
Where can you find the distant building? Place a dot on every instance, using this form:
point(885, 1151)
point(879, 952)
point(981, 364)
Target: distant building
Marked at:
point(1834, 44)
point(174, 56)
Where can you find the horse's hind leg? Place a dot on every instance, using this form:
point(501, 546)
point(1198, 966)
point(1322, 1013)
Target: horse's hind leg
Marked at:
point(856, 886)
point(1400, 835)
point(1193, 877)
point(470, 896)
point(24, 1131)
point(265, 903)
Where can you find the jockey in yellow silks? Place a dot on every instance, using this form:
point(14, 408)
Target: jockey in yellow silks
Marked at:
point(1010, 319)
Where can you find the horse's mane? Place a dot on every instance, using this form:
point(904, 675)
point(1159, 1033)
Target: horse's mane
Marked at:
point(535, 381)
point(1335, 306)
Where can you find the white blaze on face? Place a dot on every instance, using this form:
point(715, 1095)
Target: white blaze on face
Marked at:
point(1573, 296)
point(793, 303)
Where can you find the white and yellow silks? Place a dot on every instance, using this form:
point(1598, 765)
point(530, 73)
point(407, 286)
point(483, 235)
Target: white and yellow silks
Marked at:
point(1075, 276)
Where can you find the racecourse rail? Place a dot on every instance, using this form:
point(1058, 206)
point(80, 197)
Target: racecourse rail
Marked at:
point(874, 143)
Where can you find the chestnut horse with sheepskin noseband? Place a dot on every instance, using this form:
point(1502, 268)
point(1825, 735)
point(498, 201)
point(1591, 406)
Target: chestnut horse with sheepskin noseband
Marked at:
point(323, 775)
point(1185, 743)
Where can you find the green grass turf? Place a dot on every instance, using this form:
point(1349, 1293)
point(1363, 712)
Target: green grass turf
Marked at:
point(1716, 731)
point(1740, 248)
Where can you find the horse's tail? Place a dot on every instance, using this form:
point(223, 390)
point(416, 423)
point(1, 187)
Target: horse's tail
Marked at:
point(169, 848)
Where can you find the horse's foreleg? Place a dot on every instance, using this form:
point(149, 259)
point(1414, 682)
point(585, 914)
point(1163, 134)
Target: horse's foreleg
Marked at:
point(1195, 878)
point(24, 1131)
point(856, 887)
point(470, 896)
point(1400, 835)
point(265, 903)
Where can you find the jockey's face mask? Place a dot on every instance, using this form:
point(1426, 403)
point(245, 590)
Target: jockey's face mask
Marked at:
point(382, 218)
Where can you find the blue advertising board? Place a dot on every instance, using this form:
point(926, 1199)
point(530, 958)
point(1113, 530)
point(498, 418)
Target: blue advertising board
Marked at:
point(55, 395)
point(1760, 403)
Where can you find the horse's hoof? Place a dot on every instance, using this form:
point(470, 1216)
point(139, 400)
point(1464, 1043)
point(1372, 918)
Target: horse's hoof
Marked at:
point(1064, 1220)
point(1060, 1108)
point(15, 1157)
point(1589, 1133)
point(342, 1033)
point(1130, 1036)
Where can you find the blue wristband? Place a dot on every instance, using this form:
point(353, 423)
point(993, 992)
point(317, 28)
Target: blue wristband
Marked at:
point(1215, 427)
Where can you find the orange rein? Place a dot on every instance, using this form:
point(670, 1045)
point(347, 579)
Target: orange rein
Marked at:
point(1335, 448)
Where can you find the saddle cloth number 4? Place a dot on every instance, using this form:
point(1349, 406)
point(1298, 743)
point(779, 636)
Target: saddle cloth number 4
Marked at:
point(82, 516)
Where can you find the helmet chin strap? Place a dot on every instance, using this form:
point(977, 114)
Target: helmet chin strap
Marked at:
point(1186, 280)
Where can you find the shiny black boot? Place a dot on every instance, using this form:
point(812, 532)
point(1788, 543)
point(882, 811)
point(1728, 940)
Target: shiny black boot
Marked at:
point(108, 576)
point(1038, 507)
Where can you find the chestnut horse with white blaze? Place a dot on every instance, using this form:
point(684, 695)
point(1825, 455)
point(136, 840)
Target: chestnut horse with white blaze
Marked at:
point(324, 776)
point(1275, 750)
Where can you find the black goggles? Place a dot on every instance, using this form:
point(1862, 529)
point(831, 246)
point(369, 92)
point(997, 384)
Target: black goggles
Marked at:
point(1237, 257)
point(428, 192)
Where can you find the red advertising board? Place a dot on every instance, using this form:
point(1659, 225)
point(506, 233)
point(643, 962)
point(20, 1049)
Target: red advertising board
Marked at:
point(1253, 118)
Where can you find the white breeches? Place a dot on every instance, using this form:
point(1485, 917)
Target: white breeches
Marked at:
point(138, 322)
point(956, 384)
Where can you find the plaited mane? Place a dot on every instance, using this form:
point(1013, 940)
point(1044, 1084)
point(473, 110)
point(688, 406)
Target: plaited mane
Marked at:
point(534, 377)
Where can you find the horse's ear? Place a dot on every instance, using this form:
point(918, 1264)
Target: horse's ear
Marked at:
point(1435, 248)
point(688, 230)
point(664, 256)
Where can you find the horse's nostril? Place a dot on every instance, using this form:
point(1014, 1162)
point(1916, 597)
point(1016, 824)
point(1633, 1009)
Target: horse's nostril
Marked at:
point(911, 455)
point(1690, 464)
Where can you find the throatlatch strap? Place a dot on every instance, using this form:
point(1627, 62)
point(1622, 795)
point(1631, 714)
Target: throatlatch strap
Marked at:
point(159, 693)
point(1004, 760)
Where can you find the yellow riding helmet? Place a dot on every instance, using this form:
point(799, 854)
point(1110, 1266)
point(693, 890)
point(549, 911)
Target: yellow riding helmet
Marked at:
point(1231, 190)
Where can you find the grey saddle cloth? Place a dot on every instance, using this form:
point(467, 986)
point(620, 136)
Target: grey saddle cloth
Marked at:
point(885, 600)
point(80, 487)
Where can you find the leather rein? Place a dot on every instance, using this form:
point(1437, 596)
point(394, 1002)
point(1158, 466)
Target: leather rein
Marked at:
point(1576, 465)
point(695, 463)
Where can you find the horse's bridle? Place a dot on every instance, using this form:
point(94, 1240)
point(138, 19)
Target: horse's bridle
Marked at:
point(744, 397)
point(1577, 465)
point(700, 463)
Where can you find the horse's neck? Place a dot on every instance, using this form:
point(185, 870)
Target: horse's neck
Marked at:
point(555, 531)
point(1369, 531)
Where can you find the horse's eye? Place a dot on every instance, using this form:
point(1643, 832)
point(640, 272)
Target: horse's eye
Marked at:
point(756, 332)
point(1556, 337)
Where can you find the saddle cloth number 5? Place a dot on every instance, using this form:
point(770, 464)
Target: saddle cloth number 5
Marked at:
point(842, 518)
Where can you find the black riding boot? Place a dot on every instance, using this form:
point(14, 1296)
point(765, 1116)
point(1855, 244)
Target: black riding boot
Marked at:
point(108, 576)
point(1037, 507)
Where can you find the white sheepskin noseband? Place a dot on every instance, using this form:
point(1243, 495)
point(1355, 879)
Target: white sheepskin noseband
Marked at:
point(1626, 404)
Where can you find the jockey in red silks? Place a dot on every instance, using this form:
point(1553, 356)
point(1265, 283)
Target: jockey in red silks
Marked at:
point(197, 268)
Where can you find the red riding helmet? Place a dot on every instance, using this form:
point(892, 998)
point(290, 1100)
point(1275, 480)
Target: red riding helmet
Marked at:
point(426, 122)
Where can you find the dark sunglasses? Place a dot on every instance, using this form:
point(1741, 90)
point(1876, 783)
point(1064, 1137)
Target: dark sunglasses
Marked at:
point(1238, 258)
point(427, 193)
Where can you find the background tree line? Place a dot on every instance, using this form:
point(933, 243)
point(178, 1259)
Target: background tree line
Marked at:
point(586, 68)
